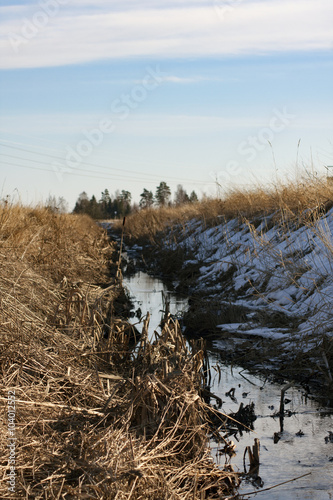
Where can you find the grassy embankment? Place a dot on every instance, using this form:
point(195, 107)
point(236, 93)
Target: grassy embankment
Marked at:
point(295, 203)
point(93, 419)
point(288, 201)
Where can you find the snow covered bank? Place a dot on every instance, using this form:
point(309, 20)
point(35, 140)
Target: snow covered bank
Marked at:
point(285, 267)
point(279, 271)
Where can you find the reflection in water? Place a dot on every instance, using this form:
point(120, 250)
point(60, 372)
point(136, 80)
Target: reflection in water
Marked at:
point(303, 446)
point(295, 453)
point(149, 295)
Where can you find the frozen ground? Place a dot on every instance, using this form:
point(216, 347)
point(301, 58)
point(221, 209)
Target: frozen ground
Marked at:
point(267, 265)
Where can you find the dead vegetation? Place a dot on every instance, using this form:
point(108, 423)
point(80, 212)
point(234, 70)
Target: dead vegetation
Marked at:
point(94, 418)
point(302, 200)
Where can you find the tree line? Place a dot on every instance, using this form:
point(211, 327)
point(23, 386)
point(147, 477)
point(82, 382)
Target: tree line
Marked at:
point(120, 205)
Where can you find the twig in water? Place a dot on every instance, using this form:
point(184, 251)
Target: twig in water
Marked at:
point(267, 489)
point(281, 413)
point(249, 381)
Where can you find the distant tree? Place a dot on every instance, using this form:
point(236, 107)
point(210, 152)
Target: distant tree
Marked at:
point(163, 193)
point(110, 210)
point(126, 196)
point(105, 196)
point(51, 204)
point(181, 195)
point(82, 204)
point(125, 202)
point(122, 203)
point(55, 205)
point(95, 209)
point(105, 208)
point(147, 199)
point(105, 204)
point(62, 205)
point(193, 197)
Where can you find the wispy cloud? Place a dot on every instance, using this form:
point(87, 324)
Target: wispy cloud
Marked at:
point(71, 125)
point(86, 31)
point(172, 79)
point(181, 79)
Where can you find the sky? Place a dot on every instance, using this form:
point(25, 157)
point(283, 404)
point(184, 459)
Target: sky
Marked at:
point(210, 94)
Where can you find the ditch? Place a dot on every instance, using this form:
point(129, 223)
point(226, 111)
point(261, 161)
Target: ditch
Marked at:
point(296, 451)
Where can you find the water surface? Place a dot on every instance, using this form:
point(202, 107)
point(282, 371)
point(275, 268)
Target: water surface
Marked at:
point(302, 447)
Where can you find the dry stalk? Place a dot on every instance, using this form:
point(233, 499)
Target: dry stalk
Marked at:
point(95, 417)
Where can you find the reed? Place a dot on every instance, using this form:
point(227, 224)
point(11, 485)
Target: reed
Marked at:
point(93, 417)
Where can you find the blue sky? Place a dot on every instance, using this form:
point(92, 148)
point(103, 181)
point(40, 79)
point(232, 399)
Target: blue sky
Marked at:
point(121, 95)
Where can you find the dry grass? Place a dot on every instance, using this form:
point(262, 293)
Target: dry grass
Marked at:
point(93, 419)
point(55, 245)
point(286, 199)
point(148, 222)
point(291, 197)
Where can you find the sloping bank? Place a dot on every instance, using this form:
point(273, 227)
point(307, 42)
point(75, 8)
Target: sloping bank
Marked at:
point(260, 287)
point(86, 416)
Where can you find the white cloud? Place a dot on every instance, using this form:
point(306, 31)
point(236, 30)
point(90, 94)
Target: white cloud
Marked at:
point(114, 30)
point(79, 35)
point(165, 79)
point(181, 79)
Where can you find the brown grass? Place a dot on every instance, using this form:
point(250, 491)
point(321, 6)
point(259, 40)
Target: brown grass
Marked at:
point(93, 419)
point(56, 245)
point(286, 199)
point(291, 197)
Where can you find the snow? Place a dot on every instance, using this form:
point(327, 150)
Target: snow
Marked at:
point(245, 329)
point(287, 269)
point(230, 326)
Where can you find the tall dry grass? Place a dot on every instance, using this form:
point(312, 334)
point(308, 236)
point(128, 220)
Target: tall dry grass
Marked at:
point(92, 418)
point(56, 245)
point(147, 223)
point(284, 198)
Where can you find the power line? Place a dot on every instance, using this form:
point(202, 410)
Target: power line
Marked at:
point(64, 170)
point(56, 150)
point(72, 168)
point(91, 175)
point(131, 172)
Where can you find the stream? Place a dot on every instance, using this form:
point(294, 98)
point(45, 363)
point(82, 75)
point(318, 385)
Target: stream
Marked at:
point(306, 443)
